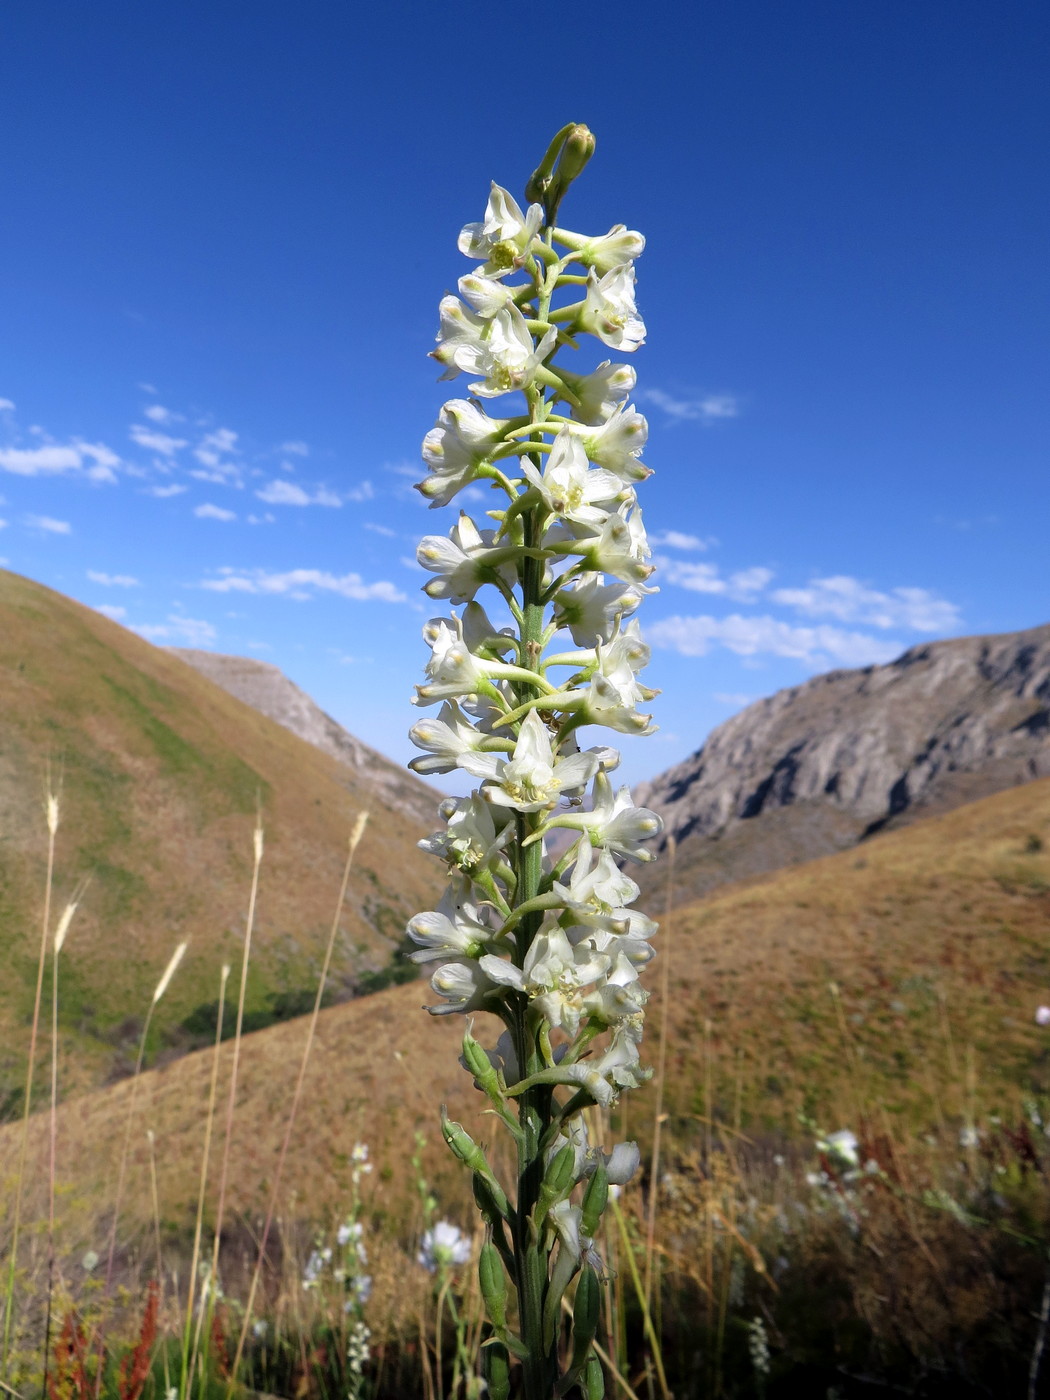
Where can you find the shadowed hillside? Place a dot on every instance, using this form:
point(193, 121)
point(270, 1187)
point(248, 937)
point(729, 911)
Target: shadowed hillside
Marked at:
point(936, 939)
point(159, 773)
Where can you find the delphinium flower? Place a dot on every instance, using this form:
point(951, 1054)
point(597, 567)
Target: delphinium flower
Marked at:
point(547, 942)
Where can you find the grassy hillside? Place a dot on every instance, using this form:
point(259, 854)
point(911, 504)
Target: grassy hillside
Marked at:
point(159, 773)
point(937, 939)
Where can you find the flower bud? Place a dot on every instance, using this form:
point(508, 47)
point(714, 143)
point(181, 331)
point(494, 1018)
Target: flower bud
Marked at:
point(594, 1201)
point(593, 1380)
point(496, 1365)
point(577, 151)
point(585, 1313)
point(493, 1285)
point(480, 1066)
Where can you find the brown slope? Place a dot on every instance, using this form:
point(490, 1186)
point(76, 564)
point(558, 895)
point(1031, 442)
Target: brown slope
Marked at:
point(818, 767)
point(268, 689)
point(937, 938)
point(159, 772)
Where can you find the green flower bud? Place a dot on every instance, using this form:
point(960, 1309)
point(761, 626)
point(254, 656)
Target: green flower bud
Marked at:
point(577, 151)
point(496, 1366)
point(594, 1201)
point(558, 1181)
point(585, 1313)
point(594, 1380)
point(493, 1285)
point(481, 1067)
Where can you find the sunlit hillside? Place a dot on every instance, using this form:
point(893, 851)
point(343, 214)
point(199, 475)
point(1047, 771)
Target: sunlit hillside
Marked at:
point(159, 774)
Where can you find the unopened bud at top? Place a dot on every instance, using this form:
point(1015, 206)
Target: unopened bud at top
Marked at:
point(566, 156)
point(577, 151)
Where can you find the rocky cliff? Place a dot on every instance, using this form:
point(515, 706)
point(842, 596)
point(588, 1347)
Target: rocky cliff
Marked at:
point(819, 767)
point(268, 690)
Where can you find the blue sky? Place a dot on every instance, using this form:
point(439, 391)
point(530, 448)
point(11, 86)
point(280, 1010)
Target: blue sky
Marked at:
point(226, 229)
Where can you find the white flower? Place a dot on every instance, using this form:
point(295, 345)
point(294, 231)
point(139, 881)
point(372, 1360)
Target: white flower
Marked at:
point(609, 311)
point(457, 447)
point(614, 690)
point(592, 610)
point(445, 740)
point(617, 444)
point(457, 327)
point(553, 976)
point(568, 486)
point(842, 1147)
point(598, 394)
point(618, 1068)
point(532, 778)
point(503, 355)
point(463, 561)
point(463, 985)
point(453, 669)
point(604, 251)
point(618, 995)
point(475, 834)
point(1042, 1016)
point(484, 295)
point(456, 929)
point(621, 549)
point(614, 821)
point(504, 236)
point(443, 1246)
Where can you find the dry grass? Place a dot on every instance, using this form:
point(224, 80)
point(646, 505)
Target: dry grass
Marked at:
point(160, 772)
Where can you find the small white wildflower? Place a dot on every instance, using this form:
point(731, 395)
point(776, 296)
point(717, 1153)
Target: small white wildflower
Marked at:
point(443, 1246)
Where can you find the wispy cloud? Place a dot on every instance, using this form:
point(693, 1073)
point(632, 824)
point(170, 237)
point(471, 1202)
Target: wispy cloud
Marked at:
point(381, 529)
point(112, 611)
point(7, 406)
point(732, 697)
point(755, 636)
point(302, 584)
point(741, 586)
point(113, 580)
point(95, 461)
point(676, 539)
point(848, 600)
point(213, 446)
point(157, 413)
point(190, 631)
point(49, 524)
point(209, 512)
point(700, 408)
point(287, 493)
point(364, 492)
point(164, 492)
point(153, 441)
point(295, 449)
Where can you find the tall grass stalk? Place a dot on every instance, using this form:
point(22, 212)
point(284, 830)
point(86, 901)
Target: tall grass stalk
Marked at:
point(159, 990)
point(56, 948)
point(9, 1302)
point(355, 839)
point(257, 847)
point(647, 1320)
point(185, 1377)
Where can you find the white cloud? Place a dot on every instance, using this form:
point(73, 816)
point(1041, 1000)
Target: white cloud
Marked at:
point(295, 449)
point(213, 445)
point(302, 583)
point(148, 388)
point(675, 539)
point(704, 408)
point(287, 493)
point(732, 697)
point(49, 524)
point(187, 630)
point(163, 492)
point(742, 586)
point(364, 492)
point(113, 580)
point(39, 461)
point(381, 530)
point(848, 600)
point(110, 610)
point(752, 636)
point(155, 442)
point(6, 406)
point(3, 524)
point(210, 512)
point(157, 413)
